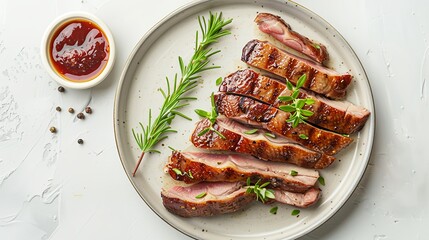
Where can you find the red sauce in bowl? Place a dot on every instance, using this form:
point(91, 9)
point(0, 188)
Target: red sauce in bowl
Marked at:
point(79, 50)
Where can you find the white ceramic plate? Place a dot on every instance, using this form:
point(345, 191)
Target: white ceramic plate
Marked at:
point(155, 57)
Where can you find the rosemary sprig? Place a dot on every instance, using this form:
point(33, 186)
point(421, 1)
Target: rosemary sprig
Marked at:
point(260, 191)
point(298, 114)
point(158, 128)
point(211, 116)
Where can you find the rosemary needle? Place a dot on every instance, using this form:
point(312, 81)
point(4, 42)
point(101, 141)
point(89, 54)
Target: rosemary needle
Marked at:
point(157, 129)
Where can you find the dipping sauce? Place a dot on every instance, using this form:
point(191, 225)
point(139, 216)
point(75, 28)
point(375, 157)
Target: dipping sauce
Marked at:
point(79, 50)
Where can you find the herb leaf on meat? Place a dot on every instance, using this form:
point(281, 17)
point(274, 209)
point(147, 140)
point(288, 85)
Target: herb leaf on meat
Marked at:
point(295, 108)
point(260, 190)
point(211, 116)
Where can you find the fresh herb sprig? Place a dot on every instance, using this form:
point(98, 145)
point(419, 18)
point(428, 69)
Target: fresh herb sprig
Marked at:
point(158, 128)
point(298, 114)
point(261, 192)
point(211, 116)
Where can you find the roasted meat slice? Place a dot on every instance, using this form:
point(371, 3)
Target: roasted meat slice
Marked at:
point(197, 167)
point(338, 116)
point(209, 199)
point(276, 27)
point(258, 144)
point(258, 114)
point(302, 200)
point(322, 80)
point(217, 198)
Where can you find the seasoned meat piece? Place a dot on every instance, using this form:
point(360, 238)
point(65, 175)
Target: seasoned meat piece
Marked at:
point(338, 116)
point(322, 80)
point(221, 167)
point(209, 199)
point(219, 198)
point(260, 145)
point(276, 27)
point(258, 114)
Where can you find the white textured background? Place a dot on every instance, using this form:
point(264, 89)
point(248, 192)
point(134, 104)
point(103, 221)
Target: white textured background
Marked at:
point(53, 188)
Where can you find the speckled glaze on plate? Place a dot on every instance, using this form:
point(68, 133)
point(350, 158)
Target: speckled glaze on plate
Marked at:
point(155, 57)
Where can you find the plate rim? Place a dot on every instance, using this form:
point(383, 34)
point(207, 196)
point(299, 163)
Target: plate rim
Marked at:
point(190, 5)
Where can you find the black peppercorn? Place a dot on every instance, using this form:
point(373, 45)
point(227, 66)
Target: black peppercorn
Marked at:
point(61, 89)
point(58, 109)
point(88, 110)
point(71, 110)
point(53, 129)
point(80, 141)
point(80, 116)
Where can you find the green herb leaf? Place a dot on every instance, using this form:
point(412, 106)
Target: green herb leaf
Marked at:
point(295, 94)
point(171, 148)
point(158, 128)
point(310, 101)
point(201, 195)
point(259, 190)
point(293, 173)
point(252, 131)
point(307, 113)
point(273, 210)
point(202, 113)
point(218, 133)
point(204, 131)
point(300, 103)
point(301, 81)
point(296, 106)
point(316, 45)
point(321, 180)
point(287, 108)
point(270, 194)
point(289, 85)
point(270, 135)
point(295, 212)
point(177, 171)
point(285, 98)
point(303, 136)
point(218, 81)
point(190, 174)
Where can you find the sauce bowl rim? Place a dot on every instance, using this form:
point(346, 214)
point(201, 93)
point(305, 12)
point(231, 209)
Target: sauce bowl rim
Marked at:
point(44, 48)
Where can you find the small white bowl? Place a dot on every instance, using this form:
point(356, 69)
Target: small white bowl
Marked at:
point(45, 55)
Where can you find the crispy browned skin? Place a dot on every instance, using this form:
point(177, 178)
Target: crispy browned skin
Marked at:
point(257, 146)
point(275, 26)
point(322, 80)
point(225, 197)
point(338, 116)
point(253, 112)
point(181, 200)
point(223, 167)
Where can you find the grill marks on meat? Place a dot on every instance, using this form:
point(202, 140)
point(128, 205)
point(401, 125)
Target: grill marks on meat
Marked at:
point(252, 112)
point(220, 198)
point(258, 145)
point(337, 116)
point(216, 167)
point(280, 30)
point(224, 197)
point(322, 80)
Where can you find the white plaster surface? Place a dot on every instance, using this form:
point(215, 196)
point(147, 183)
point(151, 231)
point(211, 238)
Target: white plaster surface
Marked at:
point(53, 188)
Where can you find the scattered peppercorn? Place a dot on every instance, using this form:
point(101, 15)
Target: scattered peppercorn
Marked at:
point(58, 109)
point(53, 130)
point(71, 110)
point(80, 116)
point(61, 89)
point(88, 110)
point(80, 141)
